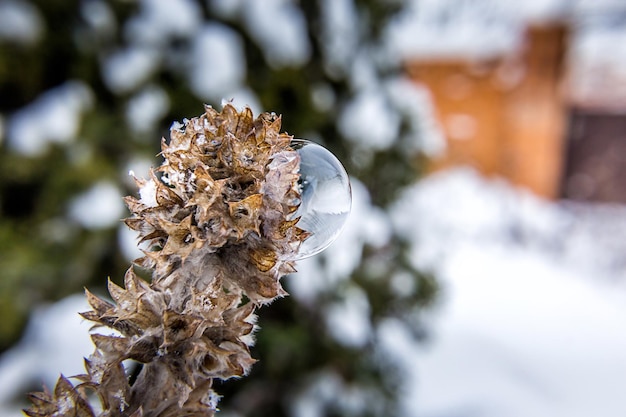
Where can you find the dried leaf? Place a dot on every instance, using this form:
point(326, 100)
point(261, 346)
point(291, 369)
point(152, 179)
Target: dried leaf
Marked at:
point(264, 259)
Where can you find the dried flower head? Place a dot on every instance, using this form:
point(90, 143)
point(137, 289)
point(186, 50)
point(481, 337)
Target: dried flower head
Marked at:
point(228, 186)
point(217, 219)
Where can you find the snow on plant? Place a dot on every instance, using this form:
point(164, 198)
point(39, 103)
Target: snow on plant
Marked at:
point(222, 222)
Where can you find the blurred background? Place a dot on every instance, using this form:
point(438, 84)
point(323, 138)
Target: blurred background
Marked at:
point(481, 271)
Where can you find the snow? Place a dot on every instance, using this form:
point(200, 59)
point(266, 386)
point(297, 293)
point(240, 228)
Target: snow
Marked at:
point(596, 45)
point(54, 117)
point(321, 394)
point(147, 108)
point(99, 207)
point(219, 61)
point(127, 240)
point(591, 7)
point(161, 20)
point(515, 330)
point(533, 331)
point(56, 339)
point(340, 33)
point(148, 192)
point(523, 327)
point(531, 318)
point(471, 29)
point(539, 11)
point(495, 213)
point(451, 28)
point(280, 29)
point(368, 121)
point(415, 102)
point(597, 62)
point(348, 320)
point(127, 69)
point(20, 22)
point(321, 389)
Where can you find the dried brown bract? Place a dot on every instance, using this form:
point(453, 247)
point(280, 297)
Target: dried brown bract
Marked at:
point(217, 220)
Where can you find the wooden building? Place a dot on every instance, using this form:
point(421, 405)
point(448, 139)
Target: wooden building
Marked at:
point(548, 122)
point(504, 116)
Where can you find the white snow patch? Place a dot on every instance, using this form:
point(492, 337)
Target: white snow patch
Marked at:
point(363, 75)
point(340, 33)
point(280, 29)
point(515, 330)
point(219, 62)
point(128, 240)
point(56, 340)
point(596, 7)
point(477, 29)
point(540, 11)
point(52, 117)
point(368, 122)
point(99, 207)
point(126, 69)
point(326, 391)
point(321, 389)
point(160, 20)
point(449, 28)
point(528, 324)
point(148, 192)
point(415, 103)
point(597, 62)
point(146, 108)
point(348, 320)
point(20, 22)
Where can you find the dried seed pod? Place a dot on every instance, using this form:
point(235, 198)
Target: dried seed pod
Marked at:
point(228, 181)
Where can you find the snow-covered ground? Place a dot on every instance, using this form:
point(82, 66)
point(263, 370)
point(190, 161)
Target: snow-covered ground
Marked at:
point(531, 320)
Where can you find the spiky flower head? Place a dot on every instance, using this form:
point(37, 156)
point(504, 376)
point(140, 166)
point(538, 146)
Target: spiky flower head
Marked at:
point(228, 187)
point(217, 218)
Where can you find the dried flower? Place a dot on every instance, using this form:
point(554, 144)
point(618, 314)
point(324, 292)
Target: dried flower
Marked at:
point(217, 218)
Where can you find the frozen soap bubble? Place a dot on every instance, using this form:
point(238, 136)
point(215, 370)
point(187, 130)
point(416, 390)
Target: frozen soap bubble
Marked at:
point(326, 197)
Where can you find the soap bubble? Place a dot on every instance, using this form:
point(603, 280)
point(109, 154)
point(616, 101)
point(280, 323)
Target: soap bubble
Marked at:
point(326, 196)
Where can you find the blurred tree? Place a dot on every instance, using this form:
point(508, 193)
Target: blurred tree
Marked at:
point(86, 89)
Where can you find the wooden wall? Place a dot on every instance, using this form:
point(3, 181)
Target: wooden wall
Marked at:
point(505, 117)
point(595, 167)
